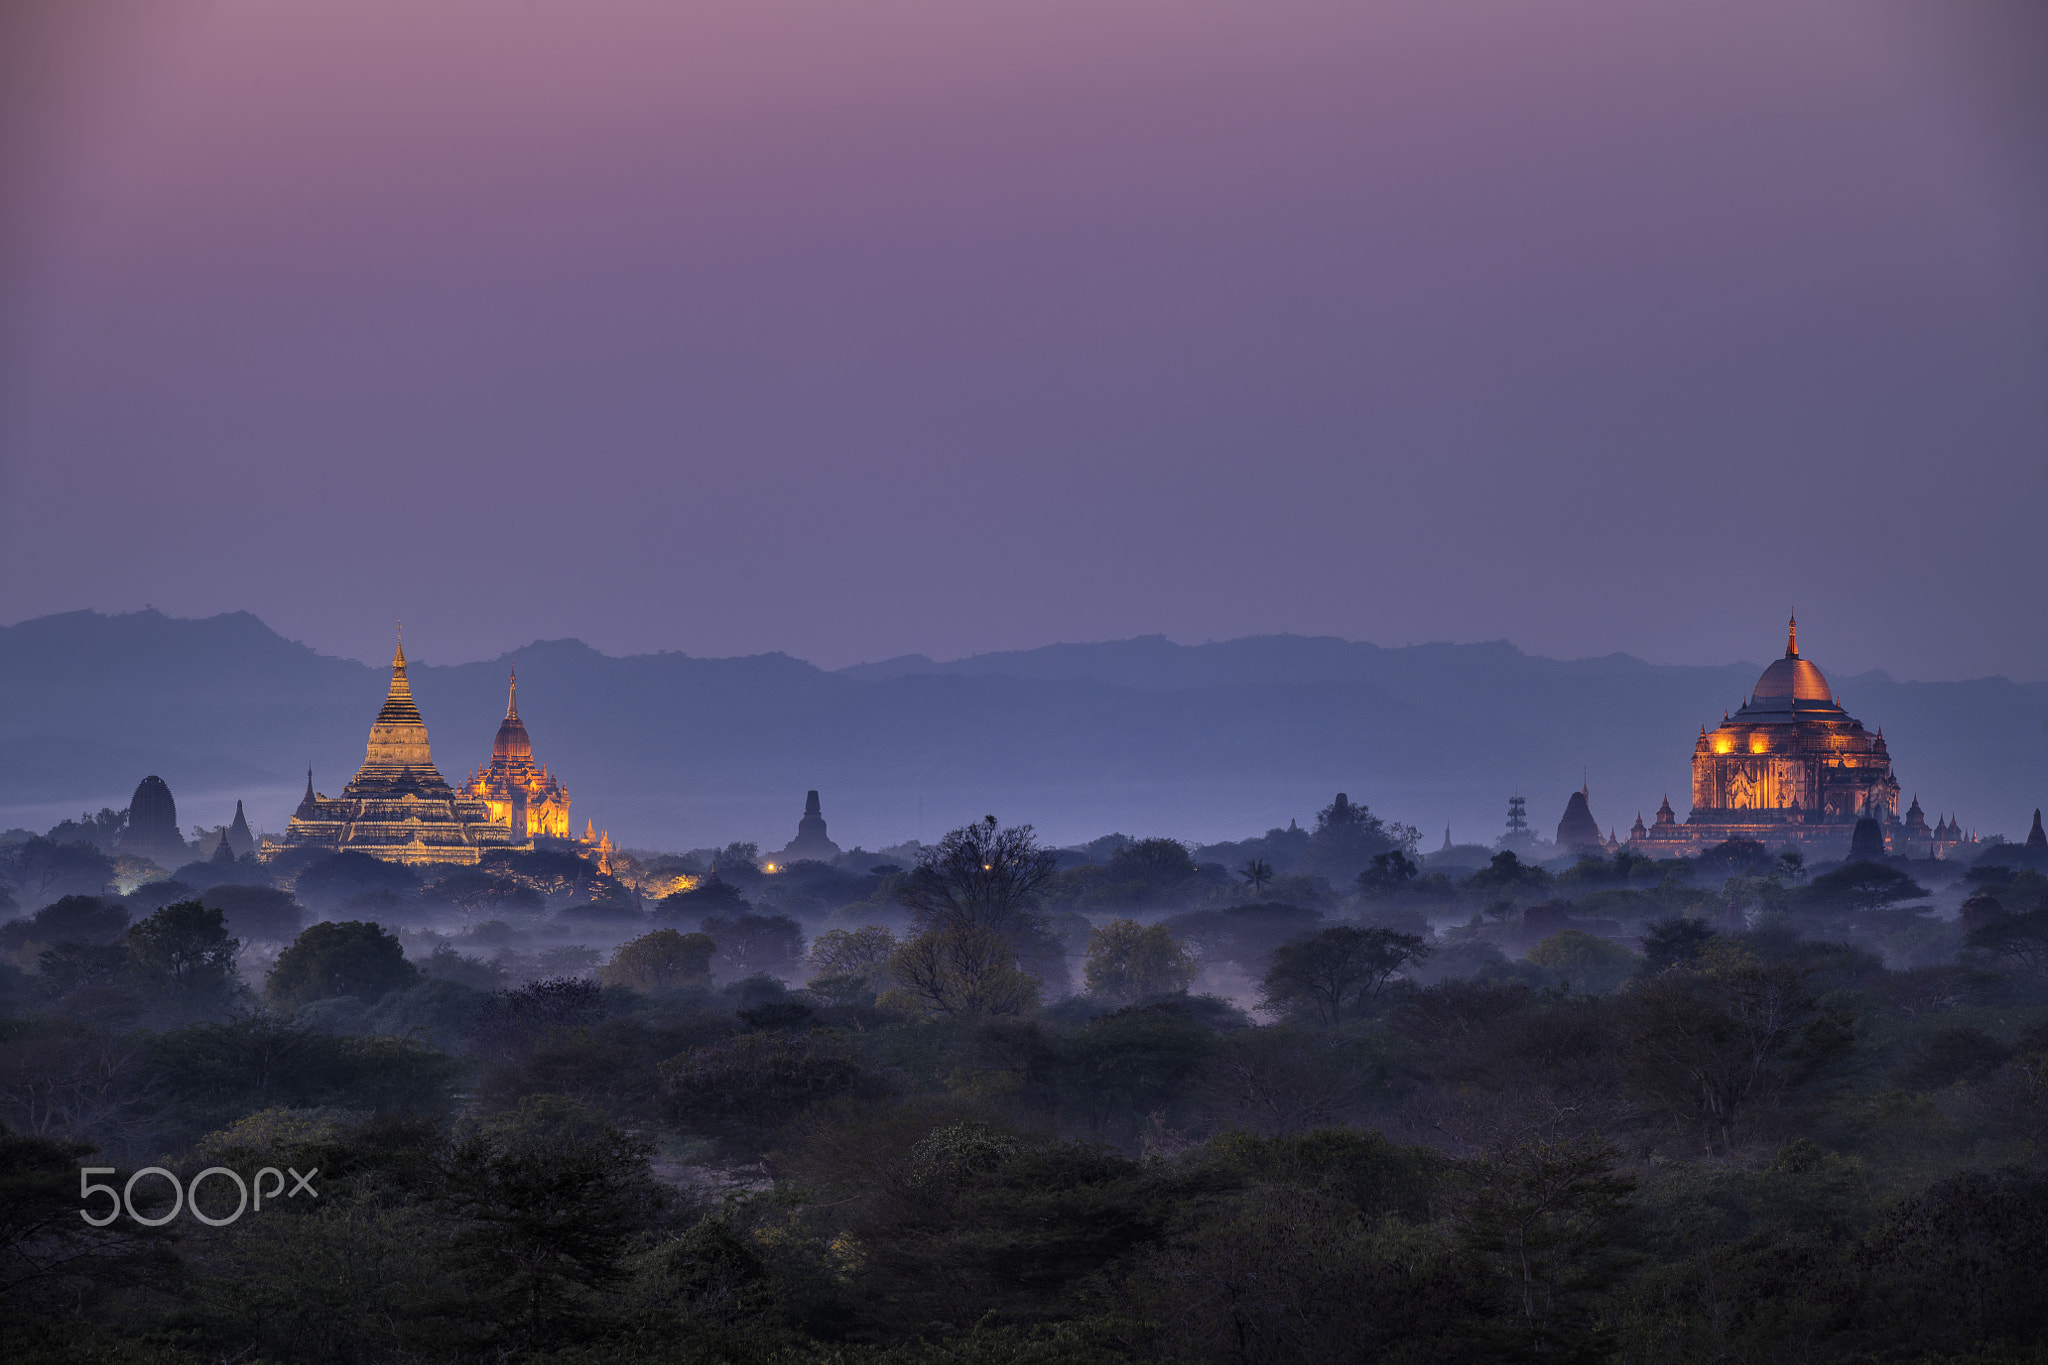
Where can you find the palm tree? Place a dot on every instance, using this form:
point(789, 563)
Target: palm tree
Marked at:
point(1258, 872)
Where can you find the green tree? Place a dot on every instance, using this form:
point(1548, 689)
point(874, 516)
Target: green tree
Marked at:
point(1857, 889)
point(862, 952)
point(1508, 876)
point(1674, 942)
point(2017, 941)
point(971, 969)
point(543, 1213)
point(761, 1079)
point(1389, 873)
point(849, 966)
point(1346, 837)
point(1161, 867)
point(663, 960)
point(1332, 974)
point(1591, 963)
point(258, 914)
point(38, 870)
point(982, 876)
point(1256, 873)
point(333, 959)
point(1128, 962)
point(346, 876)
point(186, 947)
point(51, 1259)
point(1710, 1043)
point(1542, 1217)
point(476, 892)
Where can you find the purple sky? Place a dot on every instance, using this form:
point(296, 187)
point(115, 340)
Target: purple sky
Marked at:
point(854, 329)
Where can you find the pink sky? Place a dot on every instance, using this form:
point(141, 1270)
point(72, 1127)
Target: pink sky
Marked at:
point(859, 329)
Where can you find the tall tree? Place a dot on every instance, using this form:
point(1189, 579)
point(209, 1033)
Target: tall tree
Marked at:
point(335, 959)
point(1330, 975)
point(979, 875)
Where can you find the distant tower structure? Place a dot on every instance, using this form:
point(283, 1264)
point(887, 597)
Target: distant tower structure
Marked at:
point(1866, 845)
point(1578, 828)
point(152, 830)
point(810, 842)
point(523, 796)
point(1447, 840)
point(1790, 768)
point(238, 836)
point(398, 807)
point(2037, 837)
point(1517, 835)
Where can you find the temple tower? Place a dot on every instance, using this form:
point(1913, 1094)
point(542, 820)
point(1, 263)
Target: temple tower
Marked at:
point(152, 830)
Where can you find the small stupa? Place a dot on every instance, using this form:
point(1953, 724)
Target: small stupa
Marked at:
point(239, 838)
point(810, 842)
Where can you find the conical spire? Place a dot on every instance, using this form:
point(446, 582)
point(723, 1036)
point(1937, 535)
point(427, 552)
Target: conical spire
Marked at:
point(1792, 638)
point(398, 737)
point(398, 703)
point(2036, 837)
point(512, 698)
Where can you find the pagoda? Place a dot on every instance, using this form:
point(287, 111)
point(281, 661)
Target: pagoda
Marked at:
point(399, 807)
point(523, 796)
point(810, 842)
point(1790, 768)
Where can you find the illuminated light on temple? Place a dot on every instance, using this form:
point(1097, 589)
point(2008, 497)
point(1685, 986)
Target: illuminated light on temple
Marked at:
point(523, 796)
point(1790, 767)
point(398, 807)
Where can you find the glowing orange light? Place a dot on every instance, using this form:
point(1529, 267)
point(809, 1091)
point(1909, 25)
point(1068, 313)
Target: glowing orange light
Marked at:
point(1759, 745)
point(1724, 746)
point(769, 868)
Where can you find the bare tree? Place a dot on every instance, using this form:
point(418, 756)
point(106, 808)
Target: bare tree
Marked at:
point(978, 876)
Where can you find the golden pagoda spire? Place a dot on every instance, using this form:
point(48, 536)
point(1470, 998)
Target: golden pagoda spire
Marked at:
point(399, 736)
point(512, 699)
point(1792, 638)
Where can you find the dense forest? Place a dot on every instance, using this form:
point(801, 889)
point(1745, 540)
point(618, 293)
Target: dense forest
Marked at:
point(1308, 1097)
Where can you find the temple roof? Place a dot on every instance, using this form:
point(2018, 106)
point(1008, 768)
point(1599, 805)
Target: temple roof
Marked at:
point(398, 703)
point(1791, 679)
point(512, 740)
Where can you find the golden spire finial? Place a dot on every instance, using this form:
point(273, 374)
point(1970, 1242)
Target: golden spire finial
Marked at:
point(398, 656)
point(1792, 637)
point(512, 698)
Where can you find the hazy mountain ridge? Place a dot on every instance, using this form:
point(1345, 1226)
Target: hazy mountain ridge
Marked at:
point(1171, 735)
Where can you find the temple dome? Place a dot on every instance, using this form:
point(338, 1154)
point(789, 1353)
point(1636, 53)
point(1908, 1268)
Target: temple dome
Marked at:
point(512, 741)
point(1793, 678)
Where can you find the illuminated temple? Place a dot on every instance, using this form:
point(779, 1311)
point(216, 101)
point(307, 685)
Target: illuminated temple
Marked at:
point(399, 808)
point(522, 795)
point(1791, 768)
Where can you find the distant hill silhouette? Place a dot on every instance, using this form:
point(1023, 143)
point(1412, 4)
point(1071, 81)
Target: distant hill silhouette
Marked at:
point(1141, 735)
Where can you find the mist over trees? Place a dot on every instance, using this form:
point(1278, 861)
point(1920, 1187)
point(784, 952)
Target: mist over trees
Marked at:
point(1310, 1095)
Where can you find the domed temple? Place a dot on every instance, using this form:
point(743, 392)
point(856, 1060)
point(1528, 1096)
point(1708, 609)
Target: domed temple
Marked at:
point(399, 807)
point(522, 795)
point(1790, 768)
